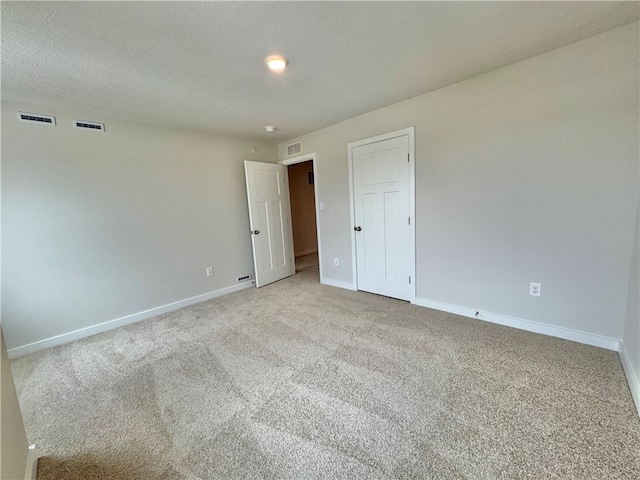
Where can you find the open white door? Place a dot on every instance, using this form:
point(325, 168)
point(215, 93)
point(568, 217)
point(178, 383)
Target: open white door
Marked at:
point(270, 217)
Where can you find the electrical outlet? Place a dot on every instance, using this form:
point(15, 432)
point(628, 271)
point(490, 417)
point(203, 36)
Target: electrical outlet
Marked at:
point(321, 205)
point(209, 271)
point(535, 289)
point(336, 261)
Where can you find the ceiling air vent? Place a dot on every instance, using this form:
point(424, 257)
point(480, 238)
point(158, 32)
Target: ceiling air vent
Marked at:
point(36, 118)
point(89, 125)
point(294, 148)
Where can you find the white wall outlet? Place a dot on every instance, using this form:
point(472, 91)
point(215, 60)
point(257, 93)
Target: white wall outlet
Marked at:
point(321, 205)
point(209, 271)
point(336, 261)
point(535, 289)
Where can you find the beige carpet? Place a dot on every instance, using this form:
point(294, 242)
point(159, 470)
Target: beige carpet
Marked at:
point(307, 262)
point(299, 380)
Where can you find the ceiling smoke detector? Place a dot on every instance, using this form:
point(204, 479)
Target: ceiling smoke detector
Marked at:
point(270, 128)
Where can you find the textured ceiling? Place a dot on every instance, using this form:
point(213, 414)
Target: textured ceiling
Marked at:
point(200, 64)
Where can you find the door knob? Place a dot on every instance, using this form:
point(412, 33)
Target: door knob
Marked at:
point(256, 232)
point(357, 229)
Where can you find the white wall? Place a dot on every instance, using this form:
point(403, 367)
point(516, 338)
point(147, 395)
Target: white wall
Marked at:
point(13, 439)
point(525, 174)
point(97, 226)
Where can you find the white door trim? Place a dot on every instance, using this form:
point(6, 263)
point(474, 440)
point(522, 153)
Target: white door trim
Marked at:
point(305, 158)
point(410, 132)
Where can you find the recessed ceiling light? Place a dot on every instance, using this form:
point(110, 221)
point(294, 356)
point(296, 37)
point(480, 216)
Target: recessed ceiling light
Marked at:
point(270, 128)
point(276, 63)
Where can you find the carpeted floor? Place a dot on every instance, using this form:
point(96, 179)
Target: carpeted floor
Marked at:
point(300, 380)
point(307, 262)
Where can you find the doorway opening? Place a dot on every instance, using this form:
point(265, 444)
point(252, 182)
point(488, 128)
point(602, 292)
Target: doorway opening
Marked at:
point(303, 215)
point(303, 195)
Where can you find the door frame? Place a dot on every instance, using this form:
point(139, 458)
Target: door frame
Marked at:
point(410, 132)
point(301, 159)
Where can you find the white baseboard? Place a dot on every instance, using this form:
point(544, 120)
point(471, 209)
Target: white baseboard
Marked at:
point(633, 377)
point(31, 472)
point(305, 252)
point(122, 321)
point(528, 325)
point(338, 283)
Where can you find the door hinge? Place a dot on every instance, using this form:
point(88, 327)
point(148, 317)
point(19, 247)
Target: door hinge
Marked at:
point(409, 220)
point(409, 280)
point(408, 156)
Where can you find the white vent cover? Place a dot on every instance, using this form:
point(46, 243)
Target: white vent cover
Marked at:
point(89, 125)
point(36, 118)
point(294, 148)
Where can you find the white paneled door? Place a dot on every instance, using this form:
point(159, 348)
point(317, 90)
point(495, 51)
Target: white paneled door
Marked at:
point(382, 214)
point(270, 218)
